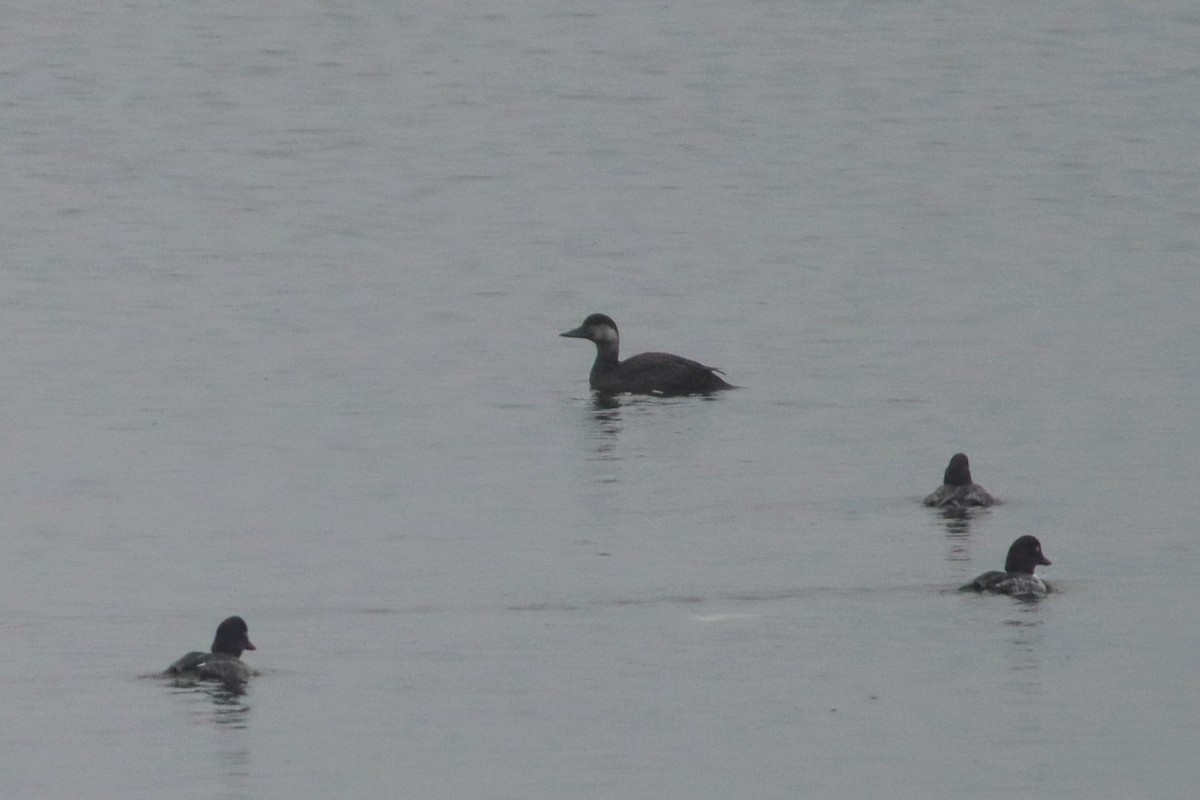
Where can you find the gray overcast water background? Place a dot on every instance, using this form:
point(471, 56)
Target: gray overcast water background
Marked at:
point(280, 292)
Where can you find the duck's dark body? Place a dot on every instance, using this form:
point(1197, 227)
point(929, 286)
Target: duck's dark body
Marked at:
point(1024, 556)
point(646, 373)
point(654, 373)
point(224, 662)
point(957, 489)
point(211, 667)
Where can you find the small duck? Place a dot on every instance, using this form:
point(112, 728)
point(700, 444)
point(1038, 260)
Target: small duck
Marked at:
point(224, 662)
point(957, 489)
point(1017, 579)
point(647, 373)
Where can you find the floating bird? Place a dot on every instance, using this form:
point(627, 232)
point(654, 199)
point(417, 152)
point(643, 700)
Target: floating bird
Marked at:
point(957, 489)
point(224, 663)
point(1024, 556)
point(646, 373)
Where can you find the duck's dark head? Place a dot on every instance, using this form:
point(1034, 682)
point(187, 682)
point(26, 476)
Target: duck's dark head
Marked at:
point(1024, 555)
point(232, 637)
point(958, 473)
point(598, 327)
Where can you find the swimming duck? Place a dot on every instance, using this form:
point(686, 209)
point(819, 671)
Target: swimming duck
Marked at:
point(957, 489)
point(224, 662)
point(1024, 556)
point(646, 373)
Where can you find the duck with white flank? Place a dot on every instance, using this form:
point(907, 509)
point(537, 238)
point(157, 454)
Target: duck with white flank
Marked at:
point(957, 489)
point(1018, 579)
point(224, 663)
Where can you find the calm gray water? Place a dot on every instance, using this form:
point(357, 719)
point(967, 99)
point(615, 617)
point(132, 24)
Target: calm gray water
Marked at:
point(279, 302)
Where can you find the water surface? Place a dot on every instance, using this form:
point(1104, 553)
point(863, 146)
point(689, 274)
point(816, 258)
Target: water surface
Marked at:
point(280, 302)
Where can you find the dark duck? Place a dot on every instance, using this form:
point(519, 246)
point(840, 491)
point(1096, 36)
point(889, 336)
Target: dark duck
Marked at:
point(1018, 579)
point(224, 663)
point(957, 489)
point(646, 373)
